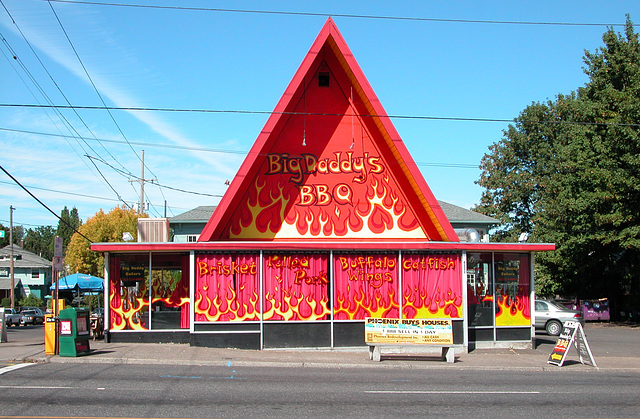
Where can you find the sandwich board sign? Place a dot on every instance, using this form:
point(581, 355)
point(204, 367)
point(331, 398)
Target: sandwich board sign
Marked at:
point(572, 333)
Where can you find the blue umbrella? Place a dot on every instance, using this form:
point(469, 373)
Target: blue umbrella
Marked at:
point(81, 282)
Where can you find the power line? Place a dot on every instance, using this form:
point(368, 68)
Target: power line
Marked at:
point(102, 198)
point(95, 88)
point(177, 147)
point(15, 223)
point(86, 72)
point(345, 15)
point(66, 193)
point(43, 204)
point(249, 112)
point(62, 117)
point(212, 150)
point(155, 183)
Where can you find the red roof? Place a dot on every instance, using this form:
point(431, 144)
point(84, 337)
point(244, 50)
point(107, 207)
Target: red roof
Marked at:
point(299, 180)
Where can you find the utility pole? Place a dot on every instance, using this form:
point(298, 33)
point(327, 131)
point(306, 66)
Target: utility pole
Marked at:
point(13, 283)
point(142, 181)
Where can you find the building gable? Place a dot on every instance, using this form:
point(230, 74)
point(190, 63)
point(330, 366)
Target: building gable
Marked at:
point(328, 165)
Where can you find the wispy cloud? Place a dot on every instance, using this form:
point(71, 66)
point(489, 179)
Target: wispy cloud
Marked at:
point(47, 37)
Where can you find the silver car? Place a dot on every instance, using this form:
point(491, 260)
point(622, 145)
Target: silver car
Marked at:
point(34, 316)
point(550, 316)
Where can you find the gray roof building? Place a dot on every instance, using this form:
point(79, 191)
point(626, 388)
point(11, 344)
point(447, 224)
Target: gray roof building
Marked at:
point(188, 225)
point(31, 272)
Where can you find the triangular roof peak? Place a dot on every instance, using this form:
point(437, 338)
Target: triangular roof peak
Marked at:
point(328, 165)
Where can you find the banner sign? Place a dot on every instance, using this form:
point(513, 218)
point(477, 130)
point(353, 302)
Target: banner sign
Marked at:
point(572, 332)
point(408, 331)
point(131, 274)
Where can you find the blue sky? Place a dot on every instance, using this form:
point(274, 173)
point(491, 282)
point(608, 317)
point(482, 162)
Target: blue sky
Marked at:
point(229, 61)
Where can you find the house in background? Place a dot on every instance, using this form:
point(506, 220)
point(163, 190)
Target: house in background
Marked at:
point(469, 225)
point(31, 273)
point(187, 226)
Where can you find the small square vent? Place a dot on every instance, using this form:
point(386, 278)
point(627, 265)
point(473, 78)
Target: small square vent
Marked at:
point(323, 79)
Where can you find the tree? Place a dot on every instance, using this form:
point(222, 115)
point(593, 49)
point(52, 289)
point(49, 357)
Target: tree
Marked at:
point(31, 301)
point(40, 241)
point(68, 225)
point(101, 228)
point(568, 172)
point(18, 234)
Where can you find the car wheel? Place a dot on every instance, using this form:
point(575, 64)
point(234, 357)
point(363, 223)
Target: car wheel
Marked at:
point(554, 327)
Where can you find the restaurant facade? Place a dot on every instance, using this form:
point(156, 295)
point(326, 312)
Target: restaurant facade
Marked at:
point(327, 222)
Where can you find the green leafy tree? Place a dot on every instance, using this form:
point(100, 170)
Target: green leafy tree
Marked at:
point(4, 240)
point(18, 235)
point(31, 301)
point(568, 172)
point(40, 241)
point(101, 228)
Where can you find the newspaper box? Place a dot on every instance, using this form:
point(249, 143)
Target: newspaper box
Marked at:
point(49, 334)
point(74, 332)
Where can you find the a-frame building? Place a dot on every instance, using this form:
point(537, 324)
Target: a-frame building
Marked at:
point(329, 164)
point(328, 222)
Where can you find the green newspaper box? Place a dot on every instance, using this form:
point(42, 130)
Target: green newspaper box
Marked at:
point(74, 332)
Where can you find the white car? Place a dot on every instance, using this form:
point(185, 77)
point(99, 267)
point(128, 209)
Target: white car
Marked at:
point(11, 317)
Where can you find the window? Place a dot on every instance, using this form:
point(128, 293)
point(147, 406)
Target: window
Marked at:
point(323, 79)
point(35, 274)
point(192, 239)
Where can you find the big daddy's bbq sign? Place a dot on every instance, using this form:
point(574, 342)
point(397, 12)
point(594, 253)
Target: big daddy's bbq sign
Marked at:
point(342, 195)
point(299, 167)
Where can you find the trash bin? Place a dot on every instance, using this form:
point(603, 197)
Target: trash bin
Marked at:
point(74, 332)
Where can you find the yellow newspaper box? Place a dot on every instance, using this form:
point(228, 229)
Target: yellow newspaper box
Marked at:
point(49, 334)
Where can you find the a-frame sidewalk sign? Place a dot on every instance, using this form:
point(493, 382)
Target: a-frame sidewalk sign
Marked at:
point(572, 332)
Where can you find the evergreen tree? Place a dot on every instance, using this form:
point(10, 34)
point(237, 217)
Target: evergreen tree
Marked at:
point(68, 225)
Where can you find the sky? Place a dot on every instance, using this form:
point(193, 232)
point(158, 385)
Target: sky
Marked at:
point(449, 74)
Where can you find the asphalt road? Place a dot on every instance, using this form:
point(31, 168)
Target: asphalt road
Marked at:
point(145, 391)
point(73, 390)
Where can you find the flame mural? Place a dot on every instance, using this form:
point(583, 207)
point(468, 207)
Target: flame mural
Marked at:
point(365, 286)
point(296, 287)
point(513, 307)
point(127, 308)
point(432, 286)
point(227, 287)
point(129, 304)
point(512, 311)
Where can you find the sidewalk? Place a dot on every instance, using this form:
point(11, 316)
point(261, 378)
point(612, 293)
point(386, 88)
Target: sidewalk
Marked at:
point(183, 354)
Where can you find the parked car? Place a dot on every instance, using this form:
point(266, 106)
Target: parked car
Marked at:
point(28, 308)
point(11, 316)
point(551, 315)
point(34, 316)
